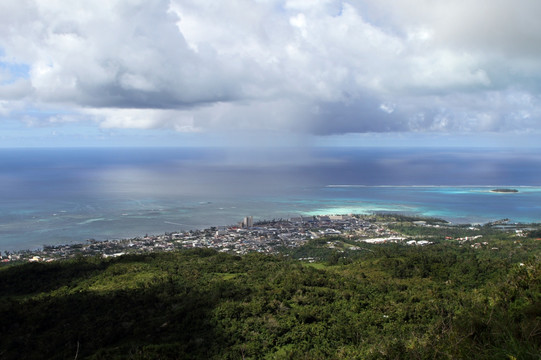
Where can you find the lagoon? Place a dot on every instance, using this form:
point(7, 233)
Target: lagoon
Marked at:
point(55, 196)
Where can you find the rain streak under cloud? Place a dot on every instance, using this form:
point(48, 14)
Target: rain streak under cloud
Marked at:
point(306, 67)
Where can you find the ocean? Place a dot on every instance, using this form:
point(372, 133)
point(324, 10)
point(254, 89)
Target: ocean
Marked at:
point(58, 196)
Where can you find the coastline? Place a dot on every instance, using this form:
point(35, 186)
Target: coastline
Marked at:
point(267, 237)
point(59, 221)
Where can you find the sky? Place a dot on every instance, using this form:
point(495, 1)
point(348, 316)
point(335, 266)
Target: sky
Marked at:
point(270, 73)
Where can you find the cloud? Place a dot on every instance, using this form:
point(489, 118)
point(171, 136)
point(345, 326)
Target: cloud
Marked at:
point(19, 88)
point(486, 26)
point(143, 119)
point(326, 67)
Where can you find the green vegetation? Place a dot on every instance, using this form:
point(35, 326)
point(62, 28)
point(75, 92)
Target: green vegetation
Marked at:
point(390, 217)
point(392, 301)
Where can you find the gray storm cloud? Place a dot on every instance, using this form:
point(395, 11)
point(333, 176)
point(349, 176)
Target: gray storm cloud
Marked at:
point(326, 67)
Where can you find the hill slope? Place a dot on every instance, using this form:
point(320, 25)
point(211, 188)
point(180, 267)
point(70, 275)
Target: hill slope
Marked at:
point(387, 301)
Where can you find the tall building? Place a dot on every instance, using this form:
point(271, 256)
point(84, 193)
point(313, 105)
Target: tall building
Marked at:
point(248, 221)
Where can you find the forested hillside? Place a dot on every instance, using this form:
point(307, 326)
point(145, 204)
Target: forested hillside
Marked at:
point(442, 301)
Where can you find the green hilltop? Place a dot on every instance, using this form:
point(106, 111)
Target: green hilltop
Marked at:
point(346, 300)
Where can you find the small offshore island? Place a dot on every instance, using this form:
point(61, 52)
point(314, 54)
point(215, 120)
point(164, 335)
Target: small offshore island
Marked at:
point(504, 190)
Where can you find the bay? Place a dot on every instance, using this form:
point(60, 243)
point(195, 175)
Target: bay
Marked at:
point(54, 196)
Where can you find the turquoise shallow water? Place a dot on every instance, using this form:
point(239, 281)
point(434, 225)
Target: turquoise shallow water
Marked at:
point(64, 222)
point(457, 204)
point(60, 196)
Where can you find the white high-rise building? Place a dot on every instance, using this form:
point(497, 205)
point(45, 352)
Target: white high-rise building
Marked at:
point(248, 221)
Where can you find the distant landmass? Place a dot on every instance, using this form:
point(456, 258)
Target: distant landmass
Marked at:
point(504, 190)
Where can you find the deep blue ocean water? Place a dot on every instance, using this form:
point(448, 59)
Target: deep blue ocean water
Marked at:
point(53, 196)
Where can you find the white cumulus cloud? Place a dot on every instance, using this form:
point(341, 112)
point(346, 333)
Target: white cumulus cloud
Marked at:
point(325, 67)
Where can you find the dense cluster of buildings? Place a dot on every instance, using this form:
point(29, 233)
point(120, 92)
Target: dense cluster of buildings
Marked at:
point(270, 237)
point(265, 237)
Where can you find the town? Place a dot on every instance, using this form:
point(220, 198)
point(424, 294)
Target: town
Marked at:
point(269, 237)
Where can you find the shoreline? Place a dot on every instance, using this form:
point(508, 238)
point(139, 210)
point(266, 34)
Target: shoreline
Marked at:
point(263, 236)
point(55, 225)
